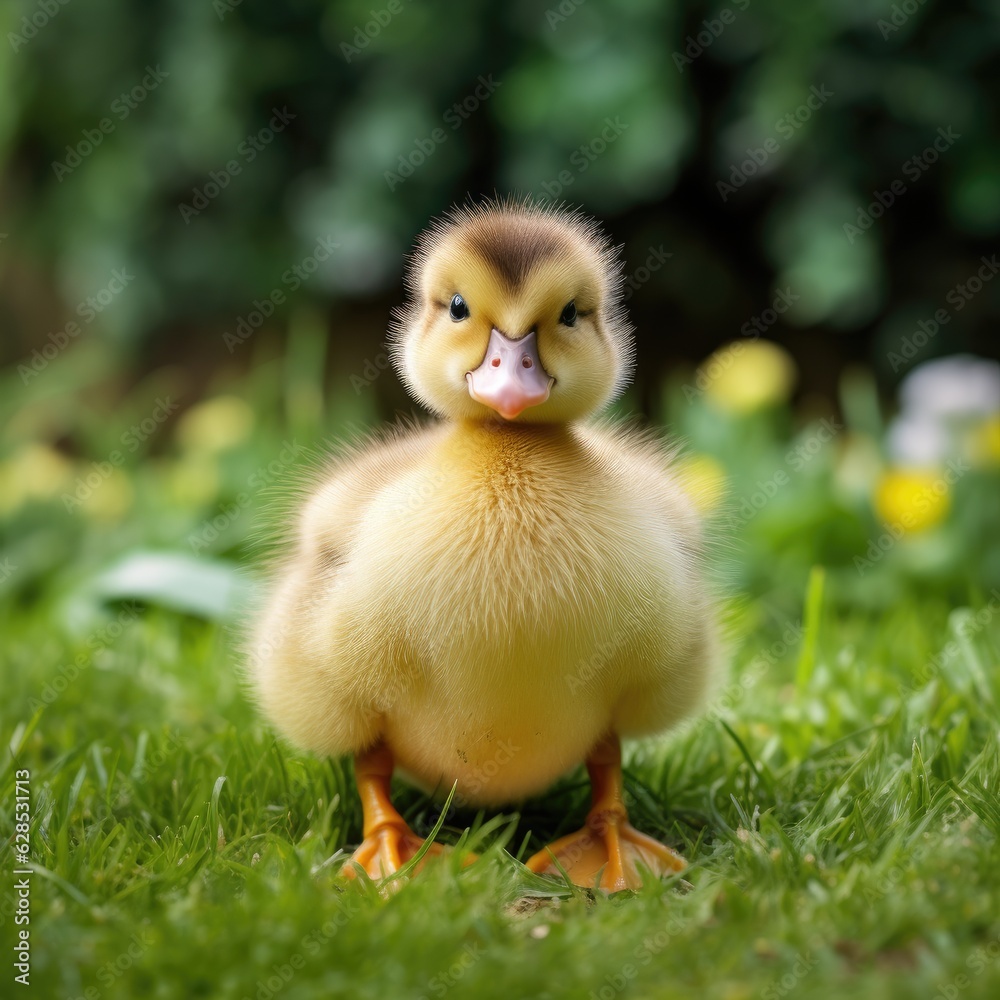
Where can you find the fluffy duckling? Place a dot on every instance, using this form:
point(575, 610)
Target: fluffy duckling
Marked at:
point(496, 597)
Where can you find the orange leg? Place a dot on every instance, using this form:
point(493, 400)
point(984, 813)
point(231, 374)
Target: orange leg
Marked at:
point(608, 847)
point(388, 842)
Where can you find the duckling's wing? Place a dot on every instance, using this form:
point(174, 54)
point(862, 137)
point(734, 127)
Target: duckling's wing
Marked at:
point(676, 653)
point(644, 458)
point(307, 677)
point(352, 480)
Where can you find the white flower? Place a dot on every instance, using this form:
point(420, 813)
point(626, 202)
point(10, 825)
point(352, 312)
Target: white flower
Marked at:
point(917, 440)
point(943, 405)
point(954, 387)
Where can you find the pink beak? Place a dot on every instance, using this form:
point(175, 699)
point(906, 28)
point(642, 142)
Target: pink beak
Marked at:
point(511, 378)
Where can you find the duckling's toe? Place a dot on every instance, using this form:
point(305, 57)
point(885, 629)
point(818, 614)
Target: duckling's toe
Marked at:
point(607, 854)
point(387, 850)
point(390, 847)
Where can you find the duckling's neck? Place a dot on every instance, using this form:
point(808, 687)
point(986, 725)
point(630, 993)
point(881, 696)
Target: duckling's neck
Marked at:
point(508, 435)
point(510, 469)
point(508, 428)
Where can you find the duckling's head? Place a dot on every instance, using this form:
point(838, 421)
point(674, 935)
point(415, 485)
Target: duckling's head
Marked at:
point(515, 313)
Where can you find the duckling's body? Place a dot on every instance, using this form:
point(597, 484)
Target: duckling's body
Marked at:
point(495, 598)
point(512, 592)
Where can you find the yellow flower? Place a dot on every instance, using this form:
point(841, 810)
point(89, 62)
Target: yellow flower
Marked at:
point(111, 498)
point(747, 375)
point(215, 425)
point(35, 471)
point(703, 478)
point(194, 481)
point(912, 499)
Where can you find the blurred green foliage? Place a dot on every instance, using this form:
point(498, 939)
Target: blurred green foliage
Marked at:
point(700, 93)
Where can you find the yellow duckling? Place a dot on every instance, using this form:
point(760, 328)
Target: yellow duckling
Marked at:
point(499, 596)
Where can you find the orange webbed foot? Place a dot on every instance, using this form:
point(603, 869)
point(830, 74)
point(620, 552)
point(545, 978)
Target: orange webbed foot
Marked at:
point(388, 842)
point(386, 850)
point(607, 854)
point(608, 851)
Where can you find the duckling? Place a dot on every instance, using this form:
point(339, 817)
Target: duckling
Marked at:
point(496, 597)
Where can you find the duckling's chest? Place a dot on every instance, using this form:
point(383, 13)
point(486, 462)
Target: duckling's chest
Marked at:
point(514, 540)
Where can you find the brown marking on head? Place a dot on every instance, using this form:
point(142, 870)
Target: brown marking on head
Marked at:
point(513, 246)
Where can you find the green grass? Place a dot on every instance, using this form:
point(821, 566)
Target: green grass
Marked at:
point(838, 806)
point(847, 823)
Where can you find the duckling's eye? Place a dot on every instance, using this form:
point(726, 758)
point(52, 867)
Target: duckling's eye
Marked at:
point(458, 309)
point(568, 316)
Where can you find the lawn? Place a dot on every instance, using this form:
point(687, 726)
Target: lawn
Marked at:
point(837, 801)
